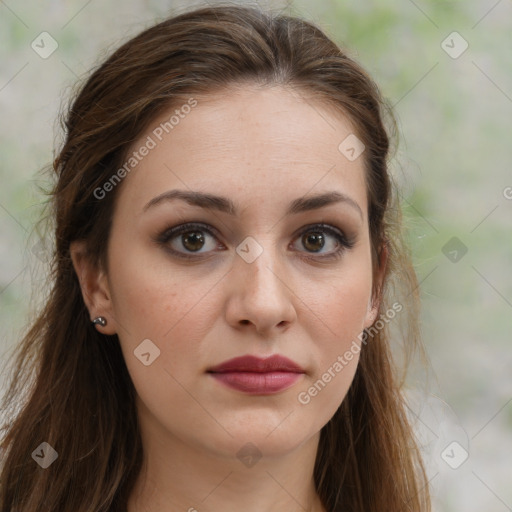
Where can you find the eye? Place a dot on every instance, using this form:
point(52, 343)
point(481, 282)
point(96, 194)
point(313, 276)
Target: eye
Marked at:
point(318, 236)
point(187, 240)
point(189, 237)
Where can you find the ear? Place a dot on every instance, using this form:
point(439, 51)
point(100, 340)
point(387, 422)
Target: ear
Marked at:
point(95, 287)
point(376, 299)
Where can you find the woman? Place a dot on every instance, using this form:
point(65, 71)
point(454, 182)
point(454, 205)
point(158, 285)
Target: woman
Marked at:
point(216, 338)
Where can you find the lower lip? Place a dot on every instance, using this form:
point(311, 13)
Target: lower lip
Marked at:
point(258, 383)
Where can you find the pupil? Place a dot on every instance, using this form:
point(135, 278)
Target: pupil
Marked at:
point(312, 239)
point(193, 240)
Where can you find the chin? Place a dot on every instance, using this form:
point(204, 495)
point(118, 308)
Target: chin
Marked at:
point(260, 437)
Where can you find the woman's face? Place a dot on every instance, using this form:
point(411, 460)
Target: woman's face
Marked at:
point(261, 279)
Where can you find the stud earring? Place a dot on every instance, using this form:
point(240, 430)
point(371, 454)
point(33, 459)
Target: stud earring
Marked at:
point(100, 320)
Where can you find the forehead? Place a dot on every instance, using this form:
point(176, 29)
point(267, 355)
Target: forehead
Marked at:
point(248, 141)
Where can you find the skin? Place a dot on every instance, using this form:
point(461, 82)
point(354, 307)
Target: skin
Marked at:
point(262, 147)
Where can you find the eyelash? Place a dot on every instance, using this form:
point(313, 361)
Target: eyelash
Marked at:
point(169, 233)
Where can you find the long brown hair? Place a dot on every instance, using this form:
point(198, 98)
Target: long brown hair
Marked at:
point(70, 386)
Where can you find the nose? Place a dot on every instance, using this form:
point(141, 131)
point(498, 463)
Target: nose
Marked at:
point(261, 295)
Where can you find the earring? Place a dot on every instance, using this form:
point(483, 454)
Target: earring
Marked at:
point(100, 320)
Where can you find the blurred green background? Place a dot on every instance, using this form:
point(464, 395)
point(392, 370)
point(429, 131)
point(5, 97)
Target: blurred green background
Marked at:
point(454, 162)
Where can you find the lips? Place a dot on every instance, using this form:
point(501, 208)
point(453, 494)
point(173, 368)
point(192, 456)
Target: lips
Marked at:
point(257, 365)
point(254, 375)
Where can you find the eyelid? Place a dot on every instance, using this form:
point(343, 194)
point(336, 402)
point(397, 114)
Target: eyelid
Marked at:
point(320, 225)
point(345, 241)
point(184, 227)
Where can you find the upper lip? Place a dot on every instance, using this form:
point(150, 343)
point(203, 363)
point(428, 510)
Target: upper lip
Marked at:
point(275, 363)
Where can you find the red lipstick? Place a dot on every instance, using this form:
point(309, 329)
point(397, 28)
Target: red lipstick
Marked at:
point(257, 376)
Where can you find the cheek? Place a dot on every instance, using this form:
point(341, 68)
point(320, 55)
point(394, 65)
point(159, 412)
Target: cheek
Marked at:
point(154, 300)
point(340, 305)
point(173, 312)
point(338, 313)
point(346, 307)
point(172, 308)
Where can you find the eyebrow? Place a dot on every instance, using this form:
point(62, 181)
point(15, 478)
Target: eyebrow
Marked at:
point(226, 205)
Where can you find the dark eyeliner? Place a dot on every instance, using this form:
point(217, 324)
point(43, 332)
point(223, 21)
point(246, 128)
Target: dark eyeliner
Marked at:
point(169, 233)
point(344, 242)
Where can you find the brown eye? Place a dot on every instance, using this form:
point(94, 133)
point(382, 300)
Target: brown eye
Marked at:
point(189, 240)
point(192, 240)
point(185, 240)
point(317, 237)
point(313, 241)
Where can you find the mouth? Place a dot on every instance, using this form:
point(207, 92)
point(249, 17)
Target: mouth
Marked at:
point(256, 376)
